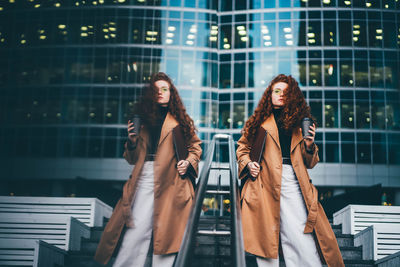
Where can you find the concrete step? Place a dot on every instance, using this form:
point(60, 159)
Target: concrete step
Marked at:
point(89, 246)
point(79, 259)
point(211, 261)
point(337, 229)
point(212, 240)
point(96, 232)
point(345, 240)
point(351, 253)
point(212, 250)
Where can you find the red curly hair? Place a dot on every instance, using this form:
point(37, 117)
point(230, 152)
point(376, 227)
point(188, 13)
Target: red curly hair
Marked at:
point(294, 110)
point(148, 106)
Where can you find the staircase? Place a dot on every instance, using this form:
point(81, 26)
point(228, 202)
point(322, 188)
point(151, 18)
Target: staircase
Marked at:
point(214, 250)
point(84, 257)
point(212, 247)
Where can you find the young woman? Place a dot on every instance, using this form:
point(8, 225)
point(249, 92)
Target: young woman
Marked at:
point(156, 200)
point(279, 203)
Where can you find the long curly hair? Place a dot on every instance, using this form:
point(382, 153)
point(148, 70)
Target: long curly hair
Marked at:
point(147, 108)
point(294, 110)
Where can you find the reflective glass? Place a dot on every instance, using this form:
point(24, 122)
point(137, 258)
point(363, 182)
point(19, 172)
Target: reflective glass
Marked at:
point(330, 34)
point(348, 148)
point(363, 118)
point(361, 73)
point(314, 33)
point(347, 113)
point(285, 34)
point(241, 35)
point(238, 115)
point(226, 37)
point(376, 68)
point(315, 78)
point(225, 75)
point(375, 34)
point(363, 148)
point(360, 33)
point(345, 33)
point(224, 116)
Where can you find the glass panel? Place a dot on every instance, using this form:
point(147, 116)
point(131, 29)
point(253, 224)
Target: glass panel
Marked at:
point(394, 148)
point(256, 38)
point(345, 33)
point(360, 33)
point(225, 75)
point(330, 35)
point(241, 36)
point(376, 69)
point(239, 75)
point(224, 116)
point(330, 69)
point(379, 148)
point(347, 113)
point(331, 114)
point(314, 33)
point(363, 118)
point(391, 71)
point(346, 72)
point(393, 110)
point(315, 72)
point(332, 152)
point(238, 115)
point(375, 34)
point(363, 148)
point(348, 148)
point(285, 34)
point(361, 73)
point(268, 34)
point(226, 37)
point(377, 110)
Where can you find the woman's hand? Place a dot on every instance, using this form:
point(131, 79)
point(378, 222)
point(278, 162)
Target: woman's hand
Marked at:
point(182, 166)
point(254, 168)
point(309, 140)
point(132, 136)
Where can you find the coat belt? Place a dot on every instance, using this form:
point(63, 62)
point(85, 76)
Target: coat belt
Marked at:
point(312, 211)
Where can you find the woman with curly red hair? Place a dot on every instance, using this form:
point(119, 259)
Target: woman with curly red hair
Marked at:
point(280, 205)
point(156, 200)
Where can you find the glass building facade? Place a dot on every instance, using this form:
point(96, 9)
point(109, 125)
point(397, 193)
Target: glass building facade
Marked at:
point(70, 72)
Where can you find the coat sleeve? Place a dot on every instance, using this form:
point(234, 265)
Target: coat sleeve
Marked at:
point(243, 156)
point(310, 158)
point(131, 152)
point(194, 154)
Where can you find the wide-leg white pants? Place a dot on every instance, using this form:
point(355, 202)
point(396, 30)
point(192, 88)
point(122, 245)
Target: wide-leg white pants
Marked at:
point(136, 241)
point(299, 249)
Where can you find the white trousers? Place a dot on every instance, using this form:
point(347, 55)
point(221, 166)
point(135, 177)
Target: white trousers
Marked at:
point(136, 241)
point(299, 249)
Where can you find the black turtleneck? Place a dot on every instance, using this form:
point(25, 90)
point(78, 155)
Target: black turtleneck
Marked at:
point(155, 129)
point(285, 138)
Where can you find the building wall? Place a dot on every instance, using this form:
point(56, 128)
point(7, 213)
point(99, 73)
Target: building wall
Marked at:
point(70, 72)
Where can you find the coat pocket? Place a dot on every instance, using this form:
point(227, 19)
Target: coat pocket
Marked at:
point(251, 190)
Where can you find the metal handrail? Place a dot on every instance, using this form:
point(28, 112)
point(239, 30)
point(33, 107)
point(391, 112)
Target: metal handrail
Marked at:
point(183, 257)
point(236, 218)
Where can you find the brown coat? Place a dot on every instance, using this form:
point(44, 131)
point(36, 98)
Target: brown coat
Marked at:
point(173, 195)
point(261, 198)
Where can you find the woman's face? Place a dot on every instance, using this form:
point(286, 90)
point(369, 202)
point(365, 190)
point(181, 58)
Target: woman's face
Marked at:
point(163, 93)
point(277, 93)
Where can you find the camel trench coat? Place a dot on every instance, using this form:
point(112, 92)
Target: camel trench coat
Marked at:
point(173, 195)
point(261, 197)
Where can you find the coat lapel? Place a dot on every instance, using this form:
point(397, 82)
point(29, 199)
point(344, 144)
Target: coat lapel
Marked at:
point(270, 126)
point(169, 124)
point(297, 137)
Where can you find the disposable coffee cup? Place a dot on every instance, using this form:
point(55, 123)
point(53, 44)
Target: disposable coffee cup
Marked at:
point(136, 124)
point(305, 126)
